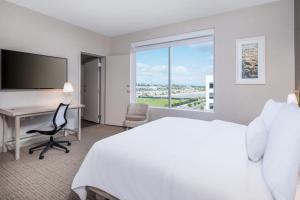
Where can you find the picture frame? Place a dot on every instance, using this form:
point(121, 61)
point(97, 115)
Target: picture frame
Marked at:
point(250, 60)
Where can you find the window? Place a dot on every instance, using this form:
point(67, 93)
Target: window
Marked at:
point(152, 77)
point(176, 74)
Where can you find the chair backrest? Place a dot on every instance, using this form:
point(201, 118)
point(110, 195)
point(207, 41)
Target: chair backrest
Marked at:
point(138, 109)
point(59, 119)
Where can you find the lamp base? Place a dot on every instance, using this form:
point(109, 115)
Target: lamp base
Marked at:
point(67, 98)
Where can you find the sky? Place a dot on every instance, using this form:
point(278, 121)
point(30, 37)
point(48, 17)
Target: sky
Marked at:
point(189, 65)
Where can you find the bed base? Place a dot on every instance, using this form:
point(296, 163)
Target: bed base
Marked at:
point(100, 194)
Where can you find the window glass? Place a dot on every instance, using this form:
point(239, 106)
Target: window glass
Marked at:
point(152, 77)
point(191, 65)
point(178, 76)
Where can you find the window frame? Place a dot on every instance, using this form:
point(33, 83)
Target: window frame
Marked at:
point(169, 39)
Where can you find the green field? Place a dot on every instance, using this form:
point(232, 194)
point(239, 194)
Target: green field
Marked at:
point(161, 102)
point(154, 102)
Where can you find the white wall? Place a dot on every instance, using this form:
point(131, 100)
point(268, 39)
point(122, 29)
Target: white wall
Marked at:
point(25, 30)
point(297, 44)
point(238, 103)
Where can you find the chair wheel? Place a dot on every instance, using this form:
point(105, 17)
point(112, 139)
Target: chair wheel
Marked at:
point(69, 144)
point(30, 152)
point(41, 157)
point(67, 151)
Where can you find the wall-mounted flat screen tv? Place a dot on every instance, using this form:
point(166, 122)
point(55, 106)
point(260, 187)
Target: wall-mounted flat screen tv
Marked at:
point(21, 70)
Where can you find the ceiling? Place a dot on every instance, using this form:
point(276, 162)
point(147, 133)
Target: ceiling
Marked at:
point(117, 17)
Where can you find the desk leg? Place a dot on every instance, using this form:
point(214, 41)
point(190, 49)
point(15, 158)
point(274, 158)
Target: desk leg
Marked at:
point(4, 123)
point(17, 135)
point(79, 124)
point(65, 132)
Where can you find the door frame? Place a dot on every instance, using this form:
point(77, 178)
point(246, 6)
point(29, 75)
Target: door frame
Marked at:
point(102, 81)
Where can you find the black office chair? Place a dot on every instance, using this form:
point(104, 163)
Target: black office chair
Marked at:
point(59, 121)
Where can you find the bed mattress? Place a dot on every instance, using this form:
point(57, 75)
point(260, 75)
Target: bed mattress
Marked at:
point(174, 159)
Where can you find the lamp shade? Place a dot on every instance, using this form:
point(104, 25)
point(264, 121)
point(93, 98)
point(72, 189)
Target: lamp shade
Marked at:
point(292, 98)
point(68, 87)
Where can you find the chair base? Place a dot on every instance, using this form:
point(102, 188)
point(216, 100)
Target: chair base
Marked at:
point(48, 145)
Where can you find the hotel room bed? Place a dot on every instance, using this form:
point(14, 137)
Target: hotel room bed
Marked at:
point(174, 159)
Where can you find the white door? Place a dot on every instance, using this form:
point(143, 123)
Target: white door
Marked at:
point(117, 89)
point(91, 91)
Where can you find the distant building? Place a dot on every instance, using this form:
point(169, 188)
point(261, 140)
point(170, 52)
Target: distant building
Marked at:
point(209, 92)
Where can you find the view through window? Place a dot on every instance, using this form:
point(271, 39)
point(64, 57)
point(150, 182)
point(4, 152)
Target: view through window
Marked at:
point(177, 76)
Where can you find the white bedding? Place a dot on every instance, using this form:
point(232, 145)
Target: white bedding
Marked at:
point(174, 159)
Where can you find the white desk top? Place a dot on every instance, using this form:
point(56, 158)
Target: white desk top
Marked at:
point(20, 111)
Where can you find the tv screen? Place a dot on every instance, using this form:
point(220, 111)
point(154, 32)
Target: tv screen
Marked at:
point(21, 70)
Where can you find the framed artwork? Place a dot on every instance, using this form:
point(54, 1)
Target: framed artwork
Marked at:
point(250, 61)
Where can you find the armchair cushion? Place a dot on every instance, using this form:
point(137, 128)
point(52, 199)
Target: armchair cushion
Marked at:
point(132, 117)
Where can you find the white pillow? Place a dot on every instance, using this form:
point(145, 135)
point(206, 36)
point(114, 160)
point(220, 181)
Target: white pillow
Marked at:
point(256, 139)
point(282, 154)
point(270, 111)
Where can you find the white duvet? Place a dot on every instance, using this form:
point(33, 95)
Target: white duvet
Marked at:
point(174, 159)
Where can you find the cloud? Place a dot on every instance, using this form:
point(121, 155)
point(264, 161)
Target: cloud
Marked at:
point(159, 68)
point(150, 68)
point(179, 69)
point(158, 74)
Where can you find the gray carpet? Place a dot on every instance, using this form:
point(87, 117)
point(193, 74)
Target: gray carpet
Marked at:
point(85, 123)
point(33, 179)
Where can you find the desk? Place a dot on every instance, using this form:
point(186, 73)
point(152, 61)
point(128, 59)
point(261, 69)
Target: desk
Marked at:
point(31, 111)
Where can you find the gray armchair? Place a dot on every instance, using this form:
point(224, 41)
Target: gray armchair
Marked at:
point(137, 114)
